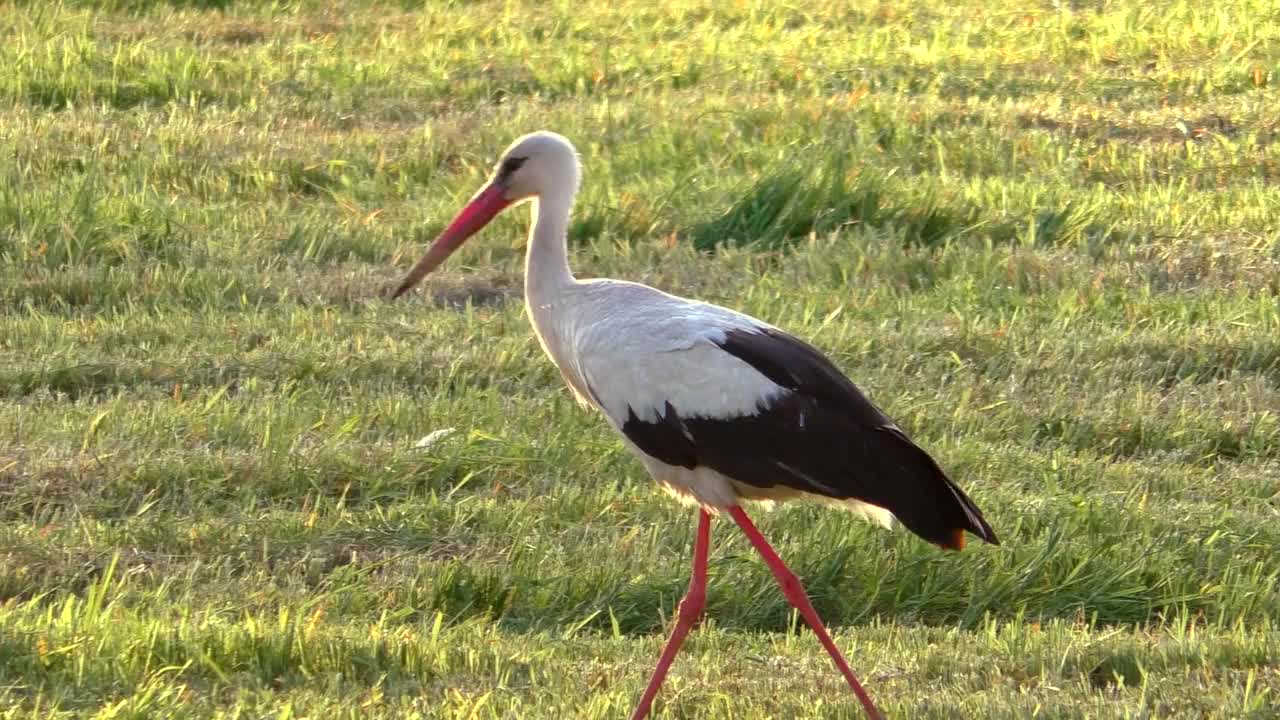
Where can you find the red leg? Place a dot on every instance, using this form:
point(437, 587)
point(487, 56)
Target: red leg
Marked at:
point(795, 593)
point(690, 608)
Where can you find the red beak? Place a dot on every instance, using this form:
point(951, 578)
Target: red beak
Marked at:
point(484, 206)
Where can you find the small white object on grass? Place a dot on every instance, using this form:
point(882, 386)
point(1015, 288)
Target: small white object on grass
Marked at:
point(434, 437)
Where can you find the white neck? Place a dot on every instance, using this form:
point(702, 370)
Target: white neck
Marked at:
point(546, 266)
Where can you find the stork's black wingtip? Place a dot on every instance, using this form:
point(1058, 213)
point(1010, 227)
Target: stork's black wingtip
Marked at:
point(987, 534)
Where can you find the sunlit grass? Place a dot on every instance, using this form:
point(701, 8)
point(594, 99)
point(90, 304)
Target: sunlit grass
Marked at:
point(1044, 239)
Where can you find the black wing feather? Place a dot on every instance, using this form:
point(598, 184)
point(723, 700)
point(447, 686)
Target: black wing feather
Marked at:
point(664, 439)
point(824, 437)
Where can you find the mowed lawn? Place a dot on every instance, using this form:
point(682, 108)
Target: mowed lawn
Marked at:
point(1045, 238)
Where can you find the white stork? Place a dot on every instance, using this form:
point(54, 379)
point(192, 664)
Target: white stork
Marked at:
point(719, 406)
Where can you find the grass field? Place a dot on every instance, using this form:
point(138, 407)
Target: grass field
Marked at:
point(1045, 239)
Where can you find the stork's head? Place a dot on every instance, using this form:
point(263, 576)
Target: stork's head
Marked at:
point(539, 164)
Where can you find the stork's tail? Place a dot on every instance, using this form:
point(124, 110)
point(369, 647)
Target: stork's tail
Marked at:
point(925, 500)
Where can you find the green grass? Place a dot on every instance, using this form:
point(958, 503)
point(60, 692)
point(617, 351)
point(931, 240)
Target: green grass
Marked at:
point(1044, 238)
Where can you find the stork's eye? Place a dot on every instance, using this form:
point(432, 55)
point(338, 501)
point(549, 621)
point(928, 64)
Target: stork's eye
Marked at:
point(510, 165)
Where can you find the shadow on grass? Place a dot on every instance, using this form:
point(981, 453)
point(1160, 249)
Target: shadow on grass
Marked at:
point(793, 202)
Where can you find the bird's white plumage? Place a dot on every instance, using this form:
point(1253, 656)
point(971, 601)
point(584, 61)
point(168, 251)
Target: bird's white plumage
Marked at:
point(628, 349)
point(633, 350)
